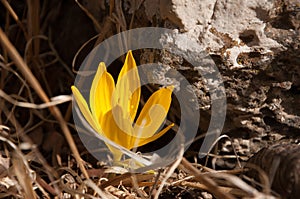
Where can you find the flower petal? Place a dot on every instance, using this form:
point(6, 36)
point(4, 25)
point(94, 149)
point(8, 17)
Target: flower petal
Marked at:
point(101, 91)
point(85, 109)
point(143, 141)
point(117, 128)
point(128, 89)
point(117, 154)
point(153, 113)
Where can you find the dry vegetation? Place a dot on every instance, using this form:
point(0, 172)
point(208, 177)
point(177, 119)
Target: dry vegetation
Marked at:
point(41, 154)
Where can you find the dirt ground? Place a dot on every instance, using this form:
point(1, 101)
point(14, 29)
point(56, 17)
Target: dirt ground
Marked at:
point(255, 47)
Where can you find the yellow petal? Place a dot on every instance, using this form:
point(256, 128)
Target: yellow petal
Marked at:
point(143, 141)
point(101, 91)
point(153, 113)
point(85, 109)
point(128, 89)
point(117, 128)
point(116, 153)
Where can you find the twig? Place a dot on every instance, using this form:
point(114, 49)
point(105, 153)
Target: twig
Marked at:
point(33, 24)
point(21, 169)
point(91, 184)
point(170, 172)
point(45, 185)
point(94, 20)
point(55, 101)
point(49, 170)
point(198, 185)
point(15, 56)
point(14, 16)
point(211, 185)
point(126, 179)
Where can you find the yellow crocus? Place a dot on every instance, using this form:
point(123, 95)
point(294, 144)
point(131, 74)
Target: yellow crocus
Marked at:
point(112, 108)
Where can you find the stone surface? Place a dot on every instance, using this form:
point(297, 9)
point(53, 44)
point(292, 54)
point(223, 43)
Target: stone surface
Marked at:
point(255, 45)
point(226, 28)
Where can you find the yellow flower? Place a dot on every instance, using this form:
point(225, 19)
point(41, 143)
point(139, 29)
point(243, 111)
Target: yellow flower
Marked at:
point(112, 108)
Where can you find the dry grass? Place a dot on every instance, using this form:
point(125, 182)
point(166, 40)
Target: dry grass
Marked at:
point(32, 162)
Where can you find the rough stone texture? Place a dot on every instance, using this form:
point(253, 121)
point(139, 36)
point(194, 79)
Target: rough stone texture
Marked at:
point(227, 28)
point(255, 45)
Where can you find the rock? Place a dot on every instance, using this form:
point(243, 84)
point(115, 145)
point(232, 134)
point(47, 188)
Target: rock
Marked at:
point(226, 28)
point(255, 45)
point(281, 163)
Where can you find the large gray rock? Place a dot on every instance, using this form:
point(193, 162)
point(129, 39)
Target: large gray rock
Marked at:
point(255, 45)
